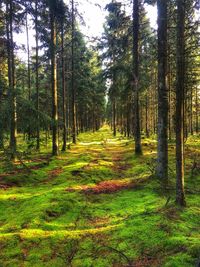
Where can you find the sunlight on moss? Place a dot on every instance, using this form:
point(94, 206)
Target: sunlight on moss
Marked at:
point(75, 165)
point(37, 233)
point(14, 197)
point(46, 216)
point(89, 143)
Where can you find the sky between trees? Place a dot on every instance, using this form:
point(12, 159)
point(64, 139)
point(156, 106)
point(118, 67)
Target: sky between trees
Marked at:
point(93, 14)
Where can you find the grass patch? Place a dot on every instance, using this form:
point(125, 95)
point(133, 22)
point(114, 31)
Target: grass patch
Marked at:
point(47, 218)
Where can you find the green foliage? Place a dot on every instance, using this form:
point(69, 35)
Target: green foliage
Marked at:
point(46, 217)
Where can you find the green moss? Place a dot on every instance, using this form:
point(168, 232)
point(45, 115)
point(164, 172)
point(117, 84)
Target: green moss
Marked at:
point(181, 259)
point(44, 221)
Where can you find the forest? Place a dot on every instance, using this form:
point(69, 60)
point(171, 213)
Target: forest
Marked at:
point(99, 133)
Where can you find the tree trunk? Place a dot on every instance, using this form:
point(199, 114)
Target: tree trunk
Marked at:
point(11, 79)
point(137, 134)
point(169, 99)
point(64, 109)
point(29, 73)
point(37, 76)
point(128, 115)
point(74, 130)
point(162, 166)
point(114, 117)
point(1, 127)
point(146, 115)
point(191, 112)
point(180, 91)
point(197, 110)
point(54, 85)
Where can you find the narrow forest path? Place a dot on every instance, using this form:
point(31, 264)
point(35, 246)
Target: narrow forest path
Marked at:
point(95, 205)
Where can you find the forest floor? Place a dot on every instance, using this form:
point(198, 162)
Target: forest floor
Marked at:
point(98, 205)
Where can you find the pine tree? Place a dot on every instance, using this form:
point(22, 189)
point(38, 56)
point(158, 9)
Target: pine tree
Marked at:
point(74, 115)
point(52, 9)
point(162, 168)
point(11, 78)
point(137, 133)
point(180, 94)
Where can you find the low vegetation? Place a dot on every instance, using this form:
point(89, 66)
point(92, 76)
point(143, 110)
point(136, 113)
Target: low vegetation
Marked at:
point(97, 205)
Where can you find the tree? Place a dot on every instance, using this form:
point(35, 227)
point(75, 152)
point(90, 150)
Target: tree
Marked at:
point(37, 73)
point(180, 94)
point(52, 9)
point(2, 74)
point(29, 69)
point(74, 126)
point(162, 166)
point(64, 109)
point(11, 78)
point(137, 134)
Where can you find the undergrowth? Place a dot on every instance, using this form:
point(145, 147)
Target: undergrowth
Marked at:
point(97, 205)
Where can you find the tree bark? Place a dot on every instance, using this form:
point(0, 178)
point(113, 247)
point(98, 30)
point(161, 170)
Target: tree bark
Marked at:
point(169, 100)
point(180, 91)
point(191, 112)
point(64, 108)
point(162, 165)
point(137, 133)
point(1, 126)
point(197, 110)
point(29, 72)
point(37, 76)
point(74, 128)
point(146, 115)
point(114, 117)
point(11, 79)
point(54, 85)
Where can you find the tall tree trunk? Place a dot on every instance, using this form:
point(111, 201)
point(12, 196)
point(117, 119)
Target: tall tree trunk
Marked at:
point(186, 115)
point(169, 99)
point(37, 76)
point(68, 105)
point(64, 108)
point(146, 115)
point(162, 166)
point(191, 112)
point(128, 115)
point(155, 106)
point(1, 127)
point(29, 72)
point(77, 125)
point(54, 85)
point(137, 133)
point(180, 92)
point(74, 130)
point(197, 110)
point(11, 79)
point(114, 117)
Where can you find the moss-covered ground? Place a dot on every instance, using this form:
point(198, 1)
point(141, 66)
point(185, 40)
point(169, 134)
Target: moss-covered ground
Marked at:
point(98, 205)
